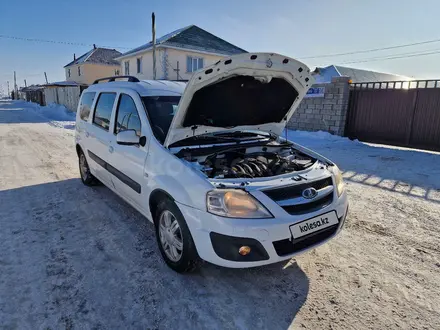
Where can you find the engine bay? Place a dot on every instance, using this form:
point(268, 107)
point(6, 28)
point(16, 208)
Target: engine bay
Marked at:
point(256, 162)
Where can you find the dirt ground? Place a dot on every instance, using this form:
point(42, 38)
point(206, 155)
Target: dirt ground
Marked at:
point(74, 257)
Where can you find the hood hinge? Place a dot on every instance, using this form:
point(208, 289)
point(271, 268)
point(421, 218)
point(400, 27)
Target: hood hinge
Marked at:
point(193, 128)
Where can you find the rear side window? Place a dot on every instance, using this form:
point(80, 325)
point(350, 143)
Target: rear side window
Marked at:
point(127, 116)
point(103, 110)
point(86, 105)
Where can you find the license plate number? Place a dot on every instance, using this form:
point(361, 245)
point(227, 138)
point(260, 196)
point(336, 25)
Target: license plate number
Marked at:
point(314, 224)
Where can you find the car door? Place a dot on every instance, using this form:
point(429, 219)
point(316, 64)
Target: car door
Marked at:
point(100, 136)
point(127, 161)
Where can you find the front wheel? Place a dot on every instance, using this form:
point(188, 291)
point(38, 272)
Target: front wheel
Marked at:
point(174, 238)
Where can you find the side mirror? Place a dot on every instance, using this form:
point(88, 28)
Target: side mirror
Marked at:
point(127, 138)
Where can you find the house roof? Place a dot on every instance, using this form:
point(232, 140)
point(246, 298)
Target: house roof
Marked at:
point(194, 38)
point(31, 88)
point(64, 84)
point(326, 74)
point(98, 56)
point(359, 75)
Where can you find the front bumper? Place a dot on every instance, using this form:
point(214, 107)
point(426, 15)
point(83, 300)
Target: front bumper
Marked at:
point(273, 235)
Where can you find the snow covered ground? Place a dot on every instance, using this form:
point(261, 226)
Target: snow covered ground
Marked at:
point(80, 258)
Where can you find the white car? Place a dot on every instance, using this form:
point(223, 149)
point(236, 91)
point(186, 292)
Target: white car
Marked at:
point(206, 163)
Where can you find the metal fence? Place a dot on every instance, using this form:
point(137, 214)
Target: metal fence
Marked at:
point(403, 113)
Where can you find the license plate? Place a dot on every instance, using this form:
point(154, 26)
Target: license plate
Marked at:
point(314, 224)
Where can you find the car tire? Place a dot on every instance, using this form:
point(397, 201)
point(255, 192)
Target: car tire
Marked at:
point(188, 259)
point(84, 170)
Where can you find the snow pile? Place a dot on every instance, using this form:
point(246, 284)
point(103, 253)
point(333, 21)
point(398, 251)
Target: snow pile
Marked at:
point(55, 112)
point(317, 138)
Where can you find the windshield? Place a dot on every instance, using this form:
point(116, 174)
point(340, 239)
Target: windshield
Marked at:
point(161, 110)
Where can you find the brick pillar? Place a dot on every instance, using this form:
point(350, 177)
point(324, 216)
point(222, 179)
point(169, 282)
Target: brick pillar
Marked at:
point(324, 113)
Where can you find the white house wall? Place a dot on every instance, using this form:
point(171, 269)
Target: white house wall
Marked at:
point(180, 56)
point(166, 63)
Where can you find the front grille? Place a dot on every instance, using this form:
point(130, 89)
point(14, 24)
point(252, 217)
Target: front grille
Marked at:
point(286, 246)
point(296, 190)
point(309, 207)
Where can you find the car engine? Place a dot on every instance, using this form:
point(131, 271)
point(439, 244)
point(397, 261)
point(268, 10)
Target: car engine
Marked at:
point(234, 164)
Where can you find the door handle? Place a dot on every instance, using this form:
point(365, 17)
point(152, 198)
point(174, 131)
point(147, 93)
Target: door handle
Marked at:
point(111, 149)
point(87, 134)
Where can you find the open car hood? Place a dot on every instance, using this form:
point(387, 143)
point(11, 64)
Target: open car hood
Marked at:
point(251, 91)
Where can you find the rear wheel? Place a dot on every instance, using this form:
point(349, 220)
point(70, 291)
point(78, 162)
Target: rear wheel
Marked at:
point(86, 176)
point(174, 238)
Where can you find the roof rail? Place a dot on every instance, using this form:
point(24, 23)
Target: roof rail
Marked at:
point(129, 79)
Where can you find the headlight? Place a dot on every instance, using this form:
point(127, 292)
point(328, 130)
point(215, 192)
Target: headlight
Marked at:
point(235, 204)
point(340, 186)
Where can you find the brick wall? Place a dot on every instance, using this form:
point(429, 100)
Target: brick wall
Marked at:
point(326, 113)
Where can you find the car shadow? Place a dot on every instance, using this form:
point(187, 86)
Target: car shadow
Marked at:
point(112, 269)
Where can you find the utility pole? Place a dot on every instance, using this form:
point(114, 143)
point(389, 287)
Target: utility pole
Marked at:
point(45, 76)
point(25, 85)
point(15, 86)
point(8, 88)
point(153, 27)
point(177, 71)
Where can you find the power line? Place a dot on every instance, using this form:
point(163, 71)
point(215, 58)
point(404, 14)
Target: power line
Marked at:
point(372, 49)
point(57, 42)
point(393, 57)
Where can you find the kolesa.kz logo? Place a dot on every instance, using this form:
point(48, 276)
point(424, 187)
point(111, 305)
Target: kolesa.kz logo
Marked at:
point(313, 225)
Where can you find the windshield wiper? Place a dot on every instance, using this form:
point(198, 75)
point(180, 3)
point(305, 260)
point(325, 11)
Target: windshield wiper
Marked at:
point(236, 134)
point(216, 137)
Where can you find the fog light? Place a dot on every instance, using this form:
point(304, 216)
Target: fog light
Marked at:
point(244, 250)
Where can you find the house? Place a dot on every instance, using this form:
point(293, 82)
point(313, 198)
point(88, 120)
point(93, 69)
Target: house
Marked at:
point(66, 93)
point(325, 75)
point(33, 93)
point(178, 54)
point(96, 63)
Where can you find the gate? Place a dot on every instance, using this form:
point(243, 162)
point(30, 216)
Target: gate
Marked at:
point(398, 113)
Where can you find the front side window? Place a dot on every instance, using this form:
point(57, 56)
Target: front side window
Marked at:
point(79, 71)
point(193, 63)
point(103, 110)
point(161, 110)
point(127, 116)
point(139, 64)
point(127, 67)
point(86, 105)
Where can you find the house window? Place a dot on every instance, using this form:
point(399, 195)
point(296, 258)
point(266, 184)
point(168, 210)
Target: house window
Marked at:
point(139, 65)
point(116, 72)
point(68, 73)
point(193, 63)
point(127, 67)
point(79, 71)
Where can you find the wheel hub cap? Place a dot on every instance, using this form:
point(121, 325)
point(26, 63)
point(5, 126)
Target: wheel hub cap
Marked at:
point(170, 236)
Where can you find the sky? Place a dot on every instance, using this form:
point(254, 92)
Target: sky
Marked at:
point(295, 28)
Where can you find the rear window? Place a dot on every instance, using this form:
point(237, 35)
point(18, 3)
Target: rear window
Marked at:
point(103, 110)
point(161, 110)
point(86, 105)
